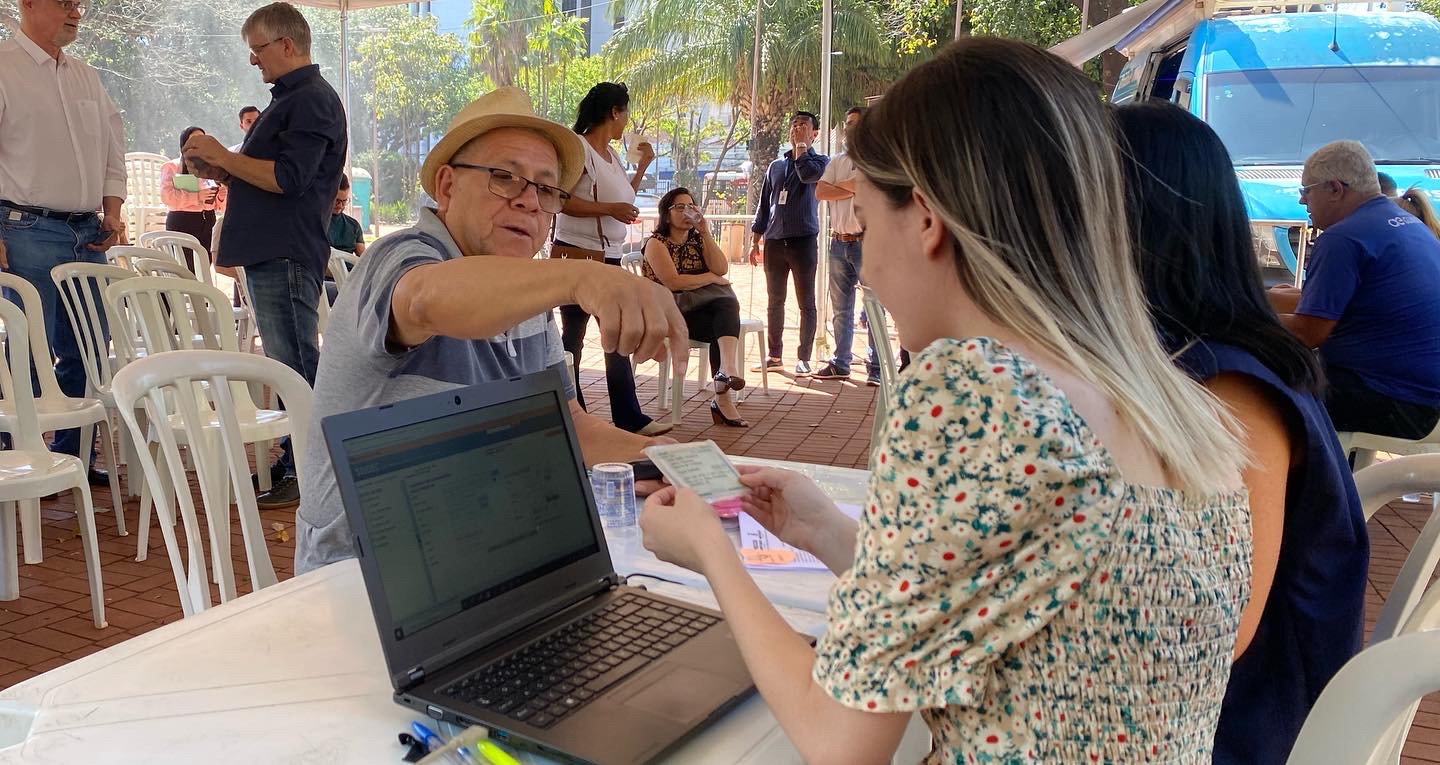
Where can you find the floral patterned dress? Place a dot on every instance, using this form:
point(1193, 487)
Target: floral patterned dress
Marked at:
point(1009, 583)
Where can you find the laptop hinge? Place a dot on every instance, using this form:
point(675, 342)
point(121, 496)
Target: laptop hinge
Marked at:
point(613, 580)
point(415, 676)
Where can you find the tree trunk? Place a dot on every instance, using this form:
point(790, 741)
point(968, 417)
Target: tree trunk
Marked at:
point(765, 129)
point(725, 148)
point(1111, 62)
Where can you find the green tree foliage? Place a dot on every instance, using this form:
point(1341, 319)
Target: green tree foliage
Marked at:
point(417, 82)
point(675, 52)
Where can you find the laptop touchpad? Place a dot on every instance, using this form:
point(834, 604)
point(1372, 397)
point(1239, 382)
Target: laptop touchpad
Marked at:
point(681, 694)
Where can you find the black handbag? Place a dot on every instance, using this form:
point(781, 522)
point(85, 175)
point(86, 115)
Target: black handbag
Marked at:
point(690, 300)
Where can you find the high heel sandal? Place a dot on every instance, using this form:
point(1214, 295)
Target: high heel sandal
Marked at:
point(724, 382)
point(719, 418)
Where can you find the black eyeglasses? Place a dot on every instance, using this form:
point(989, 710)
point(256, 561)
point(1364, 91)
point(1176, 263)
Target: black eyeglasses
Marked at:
point(508, 185)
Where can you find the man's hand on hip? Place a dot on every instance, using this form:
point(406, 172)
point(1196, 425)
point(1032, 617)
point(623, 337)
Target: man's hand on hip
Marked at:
point(4, 256)
point(636, 316)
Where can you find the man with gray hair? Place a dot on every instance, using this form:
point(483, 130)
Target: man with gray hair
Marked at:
point(1369, 299)
point(282, 186)
point(62, 175)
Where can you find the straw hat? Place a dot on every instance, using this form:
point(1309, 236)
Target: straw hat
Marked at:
point(500, 108)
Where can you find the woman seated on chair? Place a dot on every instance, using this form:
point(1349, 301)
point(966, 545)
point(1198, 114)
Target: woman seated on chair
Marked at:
point(1307, 601)
point(682, 255)
point(1055, 551)
point(192, 201)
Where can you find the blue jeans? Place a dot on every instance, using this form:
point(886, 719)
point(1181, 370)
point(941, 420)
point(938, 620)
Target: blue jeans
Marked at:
point(844, 278)
point(36, 244)
point(286, 298)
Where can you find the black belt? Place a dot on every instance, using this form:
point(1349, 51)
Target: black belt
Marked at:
point(68, 217)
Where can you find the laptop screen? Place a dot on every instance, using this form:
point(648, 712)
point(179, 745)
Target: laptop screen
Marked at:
point(465, 507)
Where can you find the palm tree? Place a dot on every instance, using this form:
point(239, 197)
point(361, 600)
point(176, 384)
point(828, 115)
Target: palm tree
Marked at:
point(500, 37)
point(704, 51)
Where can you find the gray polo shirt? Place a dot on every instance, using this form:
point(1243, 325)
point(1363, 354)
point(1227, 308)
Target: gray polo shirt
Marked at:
point(359, 370)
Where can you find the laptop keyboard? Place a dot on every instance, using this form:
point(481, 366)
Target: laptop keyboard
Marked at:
point(551, 678)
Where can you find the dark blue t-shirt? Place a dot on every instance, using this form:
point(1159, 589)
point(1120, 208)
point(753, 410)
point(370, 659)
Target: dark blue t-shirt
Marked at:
point(1377, 274)
point(1314, 617)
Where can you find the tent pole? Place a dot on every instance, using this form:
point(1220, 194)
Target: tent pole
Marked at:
point(822, 272)
point(345, 77)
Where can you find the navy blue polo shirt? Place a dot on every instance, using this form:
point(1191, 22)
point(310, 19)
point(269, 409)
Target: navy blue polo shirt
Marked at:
point(303, 132)
point(788, 207)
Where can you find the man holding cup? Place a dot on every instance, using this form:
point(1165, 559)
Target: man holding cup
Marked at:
point(788, 221)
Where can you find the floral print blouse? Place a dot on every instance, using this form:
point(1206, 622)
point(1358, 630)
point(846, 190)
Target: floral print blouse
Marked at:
point(1010, 585)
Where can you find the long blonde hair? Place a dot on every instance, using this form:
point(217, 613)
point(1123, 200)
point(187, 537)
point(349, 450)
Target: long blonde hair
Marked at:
point(1013, 149)
point(1417, 203)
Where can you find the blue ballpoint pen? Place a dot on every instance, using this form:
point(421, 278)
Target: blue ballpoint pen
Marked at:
point(433, 742)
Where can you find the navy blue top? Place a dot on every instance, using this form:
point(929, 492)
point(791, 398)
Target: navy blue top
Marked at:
point(1373, 272)
point(793, 180)
point(1315, 614)
point(303, 132)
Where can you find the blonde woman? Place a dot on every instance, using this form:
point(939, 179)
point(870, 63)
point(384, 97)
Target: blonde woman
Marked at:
point(1417, 203)
point(1055, 552)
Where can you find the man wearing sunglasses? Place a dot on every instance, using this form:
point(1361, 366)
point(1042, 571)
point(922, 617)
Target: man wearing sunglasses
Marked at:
point(282, 186)
point(460, 299)
point(62, 158)
point(1369, 300)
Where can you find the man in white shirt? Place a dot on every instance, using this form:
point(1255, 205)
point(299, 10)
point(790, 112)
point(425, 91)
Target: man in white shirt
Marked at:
point(837, 186)
point(61, 159)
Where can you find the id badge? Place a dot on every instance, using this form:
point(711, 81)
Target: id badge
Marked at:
point(784, 196)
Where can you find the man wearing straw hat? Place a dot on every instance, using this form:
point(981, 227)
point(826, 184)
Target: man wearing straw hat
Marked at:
point(459, 299)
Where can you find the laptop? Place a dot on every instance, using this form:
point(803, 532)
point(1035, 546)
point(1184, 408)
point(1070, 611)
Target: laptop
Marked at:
point(493, 590)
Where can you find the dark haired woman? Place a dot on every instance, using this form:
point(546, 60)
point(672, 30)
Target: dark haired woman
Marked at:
point(191, 212)
point(683, 256)
point(593, 225)
point(1307, 603)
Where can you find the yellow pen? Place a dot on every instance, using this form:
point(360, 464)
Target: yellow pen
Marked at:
point(494, 754)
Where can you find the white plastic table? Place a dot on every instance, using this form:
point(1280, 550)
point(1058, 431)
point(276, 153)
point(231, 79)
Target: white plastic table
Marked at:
point(294, 674)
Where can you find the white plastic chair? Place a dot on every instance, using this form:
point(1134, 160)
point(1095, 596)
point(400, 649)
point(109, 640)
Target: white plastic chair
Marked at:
point(179, 314)
point(880, 338)
point(56, 411)
point(124, 255)
point(341, 264)
point(755, 327)
point(81, 288)
point(1355, 718)
point(1380, 484)
point(29, 471)
point(162, 267)
point(1365, 445)
point(202, 388)
point(174, 244)
point(630, 261)
point(672, 378)
point(1409, 606)
point(246, 327)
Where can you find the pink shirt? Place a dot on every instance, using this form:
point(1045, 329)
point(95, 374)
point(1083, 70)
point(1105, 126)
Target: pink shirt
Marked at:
point(187, 201)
